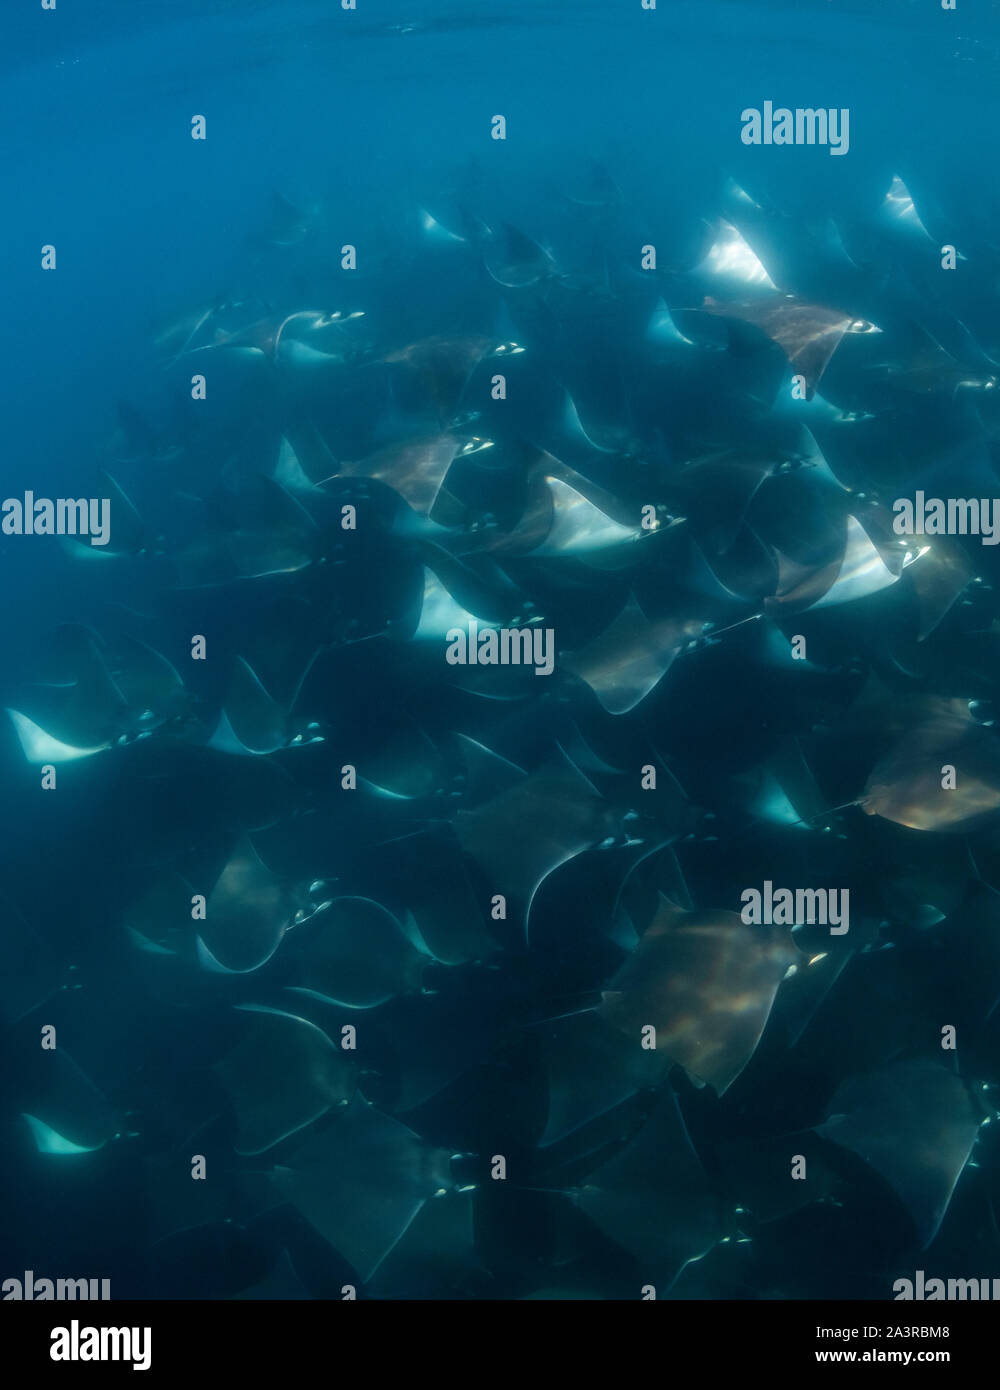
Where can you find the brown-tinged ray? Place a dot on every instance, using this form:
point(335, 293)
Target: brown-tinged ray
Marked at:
point(706, 982)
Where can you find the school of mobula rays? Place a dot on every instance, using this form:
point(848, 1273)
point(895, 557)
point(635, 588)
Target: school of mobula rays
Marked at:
point(432, 972)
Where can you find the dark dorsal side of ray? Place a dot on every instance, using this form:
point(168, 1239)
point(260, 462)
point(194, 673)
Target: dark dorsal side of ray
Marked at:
point(355, 953)
point(592, 1068)
point(524, 833)
point(653, 1198)
point(361, 1180)
point(283, 1074)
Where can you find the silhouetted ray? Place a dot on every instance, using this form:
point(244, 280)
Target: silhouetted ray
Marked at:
point(443, 366)
point(149, 684)
point(630, 657)
point(404, 767)
point(361, 1181)
point(520, 836)
point(274, 534)
point(257, 531)
point(127, 531)
point(515, 261)
point(287, 225)
point(448, 917)
point(435, 1255)
point(939, 581)
point(592, 1068)
point(653, 1198)
point(355, 953)
point(913, 1122)
point(283, 1074)
point(715, 494)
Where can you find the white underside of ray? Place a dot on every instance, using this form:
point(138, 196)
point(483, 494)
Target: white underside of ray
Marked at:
point(662, 329)
point(900, 207)
point(578, 525)
point(772, 804)
point(214, 966)
point(862, 570)
point(50, 1141)
point(433, 228)
point(739, 194)
point(143, 943)
point(410, 929)
point(439, 612)
point(81, 549)
point(322, 998)
point(292, 353)
point(384, 792)
point(40, 747)
point(225, 739)
point(731, 258)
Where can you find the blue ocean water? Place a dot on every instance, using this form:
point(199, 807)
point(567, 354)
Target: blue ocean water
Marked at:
point(369, 110)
